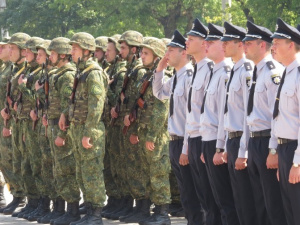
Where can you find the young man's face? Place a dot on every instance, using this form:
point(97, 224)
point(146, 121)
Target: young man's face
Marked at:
point(4, 52)
point(29, 55)
point(174, 55)
point(77, 52)
point(111, 52)
point(41, 56)
point(99, 54)
point(279, 49)
point(214, 48)
point(124, 50)
point(194, 44)
point(252, 49)
point(147, 57)
point(14, 53)
point(231, 48)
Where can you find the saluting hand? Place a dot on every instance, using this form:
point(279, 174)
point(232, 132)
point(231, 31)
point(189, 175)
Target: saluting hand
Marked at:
point(163, 63)
point(86, 142)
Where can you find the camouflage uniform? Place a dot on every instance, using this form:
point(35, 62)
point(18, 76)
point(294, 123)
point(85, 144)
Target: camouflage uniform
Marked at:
point(85, 117)
point(101, 43)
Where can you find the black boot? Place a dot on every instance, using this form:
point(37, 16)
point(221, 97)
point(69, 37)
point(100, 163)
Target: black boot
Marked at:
point(93, 216)
point(88, 207)
point(70, 216)
point(10, 208)
point(2, 198)
point(82, 209)
point(116, 206)
point(141, 212)
point(110, 203)
point(43, 209)
point(58, 211)
point(160, 217)
point(33, 205)
point(125, 210)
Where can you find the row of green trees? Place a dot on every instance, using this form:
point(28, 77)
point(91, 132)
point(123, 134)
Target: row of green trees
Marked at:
point(52, 18)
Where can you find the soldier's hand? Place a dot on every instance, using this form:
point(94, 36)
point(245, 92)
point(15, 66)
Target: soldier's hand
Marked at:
point(202, 158)
point(37, 86)
point(218, 158)
point(294, 175)
point(134, 139)
point(86, 142)
point(4, 114)
point(163, 63)
point(126, 121)
point(33, 115)
point(113, 112)
point(240, 163)
point(272, 161)
point(45, 121)
point(184, 159)
point(62, 122)
point(59, 141)
point(150, 145)
point(6, 132)
point(110, 81)
point(22, 80)
point(16, 106)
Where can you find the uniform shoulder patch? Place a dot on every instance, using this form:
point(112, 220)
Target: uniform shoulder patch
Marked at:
point(96, 90)
point(248, 81)
point(189, 72)
point(276, 79)
point(210, 65)
point(227, 69)
point(271, 65)
point(248, 66)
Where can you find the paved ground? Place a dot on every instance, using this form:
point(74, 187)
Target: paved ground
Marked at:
point(8, 220)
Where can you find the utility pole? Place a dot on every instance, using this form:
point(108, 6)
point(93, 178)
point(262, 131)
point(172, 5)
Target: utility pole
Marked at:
point(226, 4)
point(4, 32)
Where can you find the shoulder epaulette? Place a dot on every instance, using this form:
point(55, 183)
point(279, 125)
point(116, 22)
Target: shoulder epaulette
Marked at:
point(189, 72)
point(271, 65)
point(227, 69)
point(210, 65)
point(248, 66)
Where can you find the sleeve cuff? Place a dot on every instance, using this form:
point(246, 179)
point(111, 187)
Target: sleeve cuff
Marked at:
point(220, 144)
point(185, 149)
point(297, 156)
point(243, 154)
point(273, 143)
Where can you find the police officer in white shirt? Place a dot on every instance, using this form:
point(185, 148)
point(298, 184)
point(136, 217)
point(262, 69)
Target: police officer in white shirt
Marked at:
point(286, 114)
point(262, 157)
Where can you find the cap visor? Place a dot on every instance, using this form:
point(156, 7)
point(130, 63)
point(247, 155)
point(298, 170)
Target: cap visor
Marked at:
point(278, 36)
point(228, 38)
point(173, 45)
point(212, 39)
point(250, 39)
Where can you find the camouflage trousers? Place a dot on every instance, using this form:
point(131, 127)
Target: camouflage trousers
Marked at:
point(64, 169)
point(136, 176)
point(111, 147)
point(6, 165)
point(156, 165)
point(89, 163)
point(46, 186)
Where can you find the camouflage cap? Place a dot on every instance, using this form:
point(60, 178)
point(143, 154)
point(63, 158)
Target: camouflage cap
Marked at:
point(44, 45)
point(101, 42)
point(166, 40)
point(19, 39)
point(84, 40)
point(60, 45)
point(114, 39)
point(156, 45)
point(132, 38)
point(32, 43)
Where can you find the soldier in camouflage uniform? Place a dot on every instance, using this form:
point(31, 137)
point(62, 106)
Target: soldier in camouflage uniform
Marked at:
point(129, 51)
point(86, 128)
point(101, 44)
point(31, 157)
point(64, 169)
point(46, 184)
point(12, 126)
point(116, 72)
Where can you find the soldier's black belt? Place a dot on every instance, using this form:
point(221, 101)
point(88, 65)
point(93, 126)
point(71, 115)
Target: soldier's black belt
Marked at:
point(53, 122)
point(262, 133)
point(175, 138)
point(235, 134)
point(284, 141)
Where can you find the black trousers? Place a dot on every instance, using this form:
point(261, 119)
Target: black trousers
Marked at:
point(189, 200)
point(241, 185)
point(264, 183)
point(290, 192)
point(220, 183)
point(201, 182)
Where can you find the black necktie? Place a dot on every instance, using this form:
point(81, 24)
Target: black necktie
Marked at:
point(191, 88)
point(202, 106)
point(227, 91)
point(251, 95)
point(172, 99)
point(276, 106)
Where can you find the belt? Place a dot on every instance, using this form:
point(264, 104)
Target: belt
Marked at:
point(262, 133)
point(235, 134)
point(284, 141)
point(53, 122)
point(175, 138)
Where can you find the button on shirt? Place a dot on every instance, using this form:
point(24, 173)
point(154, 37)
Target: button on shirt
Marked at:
point(211, 128)
point(162, 89)
point(264, 98)
point(192, 125)
point(287, 123)
point(235, 118)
